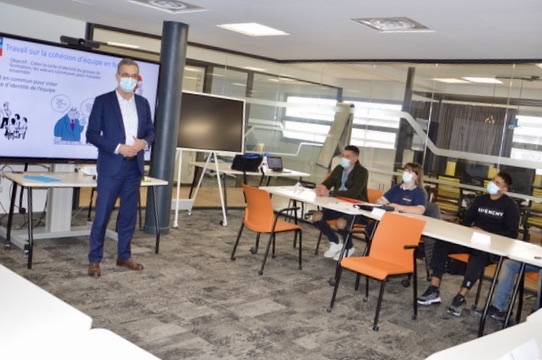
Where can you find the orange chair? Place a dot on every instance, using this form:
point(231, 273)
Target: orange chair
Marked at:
point(372, 196)
point(391, 253)
point(260, 218)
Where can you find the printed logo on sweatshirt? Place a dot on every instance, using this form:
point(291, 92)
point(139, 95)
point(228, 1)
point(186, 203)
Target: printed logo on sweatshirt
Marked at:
point(491, 212)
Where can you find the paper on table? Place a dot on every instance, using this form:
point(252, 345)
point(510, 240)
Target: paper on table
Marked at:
point(480, 238)
point(40, 178)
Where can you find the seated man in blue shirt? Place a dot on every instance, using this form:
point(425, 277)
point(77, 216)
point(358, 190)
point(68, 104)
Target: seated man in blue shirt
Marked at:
point(349, 179)
point(507, 276)
point(494, 212)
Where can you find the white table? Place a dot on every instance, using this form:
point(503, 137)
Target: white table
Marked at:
point(222, 170)
point(30, 181)
point(493, 346)
point(42, 313)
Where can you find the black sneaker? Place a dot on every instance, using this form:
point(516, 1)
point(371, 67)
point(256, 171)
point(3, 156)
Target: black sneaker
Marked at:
point(458, 303)
point(496, 314)
point(430, 296)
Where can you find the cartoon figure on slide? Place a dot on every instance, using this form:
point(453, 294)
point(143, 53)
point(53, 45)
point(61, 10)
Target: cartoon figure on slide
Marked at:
point(69, 127)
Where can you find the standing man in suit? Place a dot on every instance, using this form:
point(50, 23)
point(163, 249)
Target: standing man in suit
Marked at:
point(120, 126)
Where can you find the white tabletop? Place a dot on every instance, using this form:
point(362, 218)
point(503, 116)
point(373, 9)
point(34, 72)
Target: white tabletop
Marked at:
point(225, 168)
point(66, 180)
point(463, 235)
point(531, 254)
point(92, 344)
point(308, 196)
point(26, 309)
point(493, 346)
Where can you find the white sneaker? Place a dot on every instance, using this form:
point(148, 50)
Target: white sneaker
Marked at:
point(348, 252)
point(333, 249)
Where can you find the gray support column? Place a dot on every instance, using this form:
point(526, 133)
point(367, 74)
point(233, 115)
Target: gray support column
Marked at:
point(172, 61)
point(404, 136)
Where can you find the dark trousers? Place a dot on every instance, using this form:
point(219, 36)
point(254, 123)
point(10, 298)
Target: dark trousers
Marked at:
point(331, 234)
point(126, 186)
point(477, 261)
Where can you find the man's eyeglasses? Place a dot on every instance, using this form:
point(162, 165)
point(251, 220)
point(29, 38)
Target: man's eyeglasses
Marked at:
point(134, 76)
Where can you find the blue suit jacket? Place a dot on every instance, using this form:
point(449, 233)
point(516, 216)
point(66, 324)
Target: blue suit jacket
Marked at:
point(106, 131)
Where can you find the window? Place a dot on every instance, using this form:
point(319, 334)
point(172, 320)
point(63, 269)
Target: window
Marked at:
point(309, 119)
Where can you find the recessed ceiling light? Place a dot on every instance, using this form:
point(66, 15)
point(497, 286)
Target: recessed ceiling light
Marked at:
point(482, 80)
point(393, 24)
point(451, 80)
point(124, 45)
point(170, 6)
point(253, 29)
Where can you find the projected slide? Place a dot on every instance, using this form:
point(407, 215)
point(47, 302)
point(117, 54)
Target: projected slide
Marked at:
point(46, 95)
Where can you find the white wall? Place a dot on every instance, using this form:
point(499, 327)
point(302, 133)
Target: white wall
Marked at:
point(39, 25)
point(42, 26)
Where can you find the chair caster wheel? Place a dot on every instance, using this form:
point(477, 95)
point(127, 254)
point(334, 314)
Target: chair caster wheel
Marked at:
point(260, 272)
point(300, 267)
point(473, 307)
point(328, 309)
point(365, 299)
point(223, 222)
point(233, 258)
point(253, 250)
point(332, 282)
point(414, 317)
point(405, 283)
point(375, 328)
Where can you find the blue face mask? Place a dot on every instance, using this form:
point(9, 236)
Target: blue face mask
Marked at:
point(345, 162)
point(492, 189)
point(127, 84)
point(407, 177)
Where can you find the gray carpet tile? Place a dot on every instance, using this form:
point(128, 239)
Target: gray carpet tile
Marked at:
point(192, 302)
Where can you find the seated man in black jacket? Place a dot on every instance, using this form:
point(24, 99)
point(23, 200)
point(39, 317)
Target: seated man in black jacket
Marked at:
point(494, 212)
point(349, 179)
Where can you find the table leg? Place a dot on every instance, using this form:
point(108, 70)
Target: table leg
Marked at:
point(10, 216)
point(489, 297)
point(156, 220)
point(519, 282)
point(30, 229)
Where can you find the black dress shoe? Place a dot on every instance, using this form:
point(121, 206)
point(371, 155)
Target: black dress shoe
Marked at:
point(94, 269)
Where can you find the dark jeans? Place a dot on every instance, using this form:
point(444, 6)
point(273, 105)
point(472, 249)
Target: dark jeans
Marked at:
point(324, 227)
point(477, 261)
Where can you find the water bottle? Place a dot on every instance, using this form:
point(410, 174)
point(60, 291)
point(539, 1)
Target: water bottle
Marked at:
point(265, 167)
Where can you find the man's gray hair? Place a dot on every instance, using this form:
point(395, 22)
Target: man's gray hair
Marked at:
point(126, 61)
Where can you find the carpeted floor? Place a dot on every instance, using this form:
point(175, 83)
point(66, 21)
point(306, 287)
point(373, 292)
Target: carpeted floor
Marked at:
point(192, 302)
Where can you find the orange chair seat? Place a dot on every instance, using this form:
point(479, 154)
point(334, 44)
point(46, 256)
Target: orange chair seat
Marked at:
point(463, 257)
point(281, 226)
point(532, 275)
point(372, 267)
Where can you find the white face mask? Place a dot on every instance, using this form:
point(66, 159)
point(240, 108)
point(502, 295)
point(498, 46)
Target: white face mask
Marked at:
point(345, 162)
point(407, 177)
point(127, 84)
point(492, 189)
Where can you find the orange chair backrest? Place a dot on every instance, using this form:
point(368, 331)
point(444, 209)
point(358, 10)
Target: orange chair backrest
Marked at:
point(373, 195)
point(392, 234)
point(259, 215)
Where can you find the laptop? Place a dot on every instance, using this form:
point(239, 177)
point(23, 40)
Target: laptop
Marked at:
point(275, 163)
